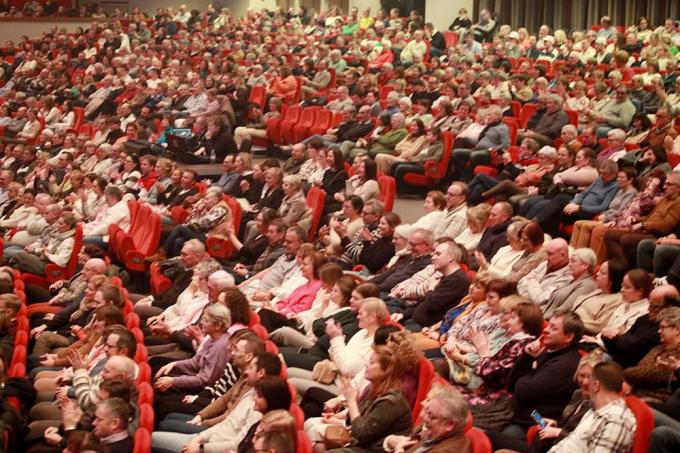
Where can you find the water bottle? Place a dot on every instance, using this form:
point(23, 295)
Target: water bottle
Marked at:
point(213, 156)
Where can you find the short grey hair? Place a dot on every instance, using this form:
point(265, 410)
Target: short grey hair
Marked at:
point(570, 128)
point(426, 235)
point(377, 207)
point(219, 313)
point(453, 405)
point(222, 279)
point(619, 134)
point(207, 268)
point(196, 245)
point(404, 230)
point(587, 256)
point(293, 180)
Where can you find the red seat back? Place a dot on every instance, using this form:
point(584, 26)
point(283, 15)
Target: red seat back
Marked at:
point(142, 441)
point(526, 113)
point(315, 200)
point(512, 127)
point(645, 423)
point(146, 417)
point(425, 376)
point(304, 445)
point(145, 393)
point(388, 191)
point(479, 443)
point(54, 272)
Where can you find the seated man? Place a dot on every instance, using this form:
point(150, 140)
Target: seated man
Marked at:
point(549, 126)
point(97, 231)
point(384, 143)
point(542, 378)
point(111, 425)
point(609, 425)
point(495, 135)
point(452, 287)
point(420, 243)
point(56, 249)
point(550, 275)
point(444, 416)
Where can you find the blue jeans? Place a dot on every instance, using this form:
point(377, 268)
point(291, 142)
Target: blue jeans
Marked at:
point(11, 250)
point(176, 422)
point(167, 442)
point(656, 258)
point(178, 236)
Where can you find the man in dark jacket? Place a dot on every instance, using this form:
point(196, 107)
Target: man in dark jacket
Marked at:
point(449, 291)
point(494, 236)
point(549, 126)
point(421, 241)
point(542, 378)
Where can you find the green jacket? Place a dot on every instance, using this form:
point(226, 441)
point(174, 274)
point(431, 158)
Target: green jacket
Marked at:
point(387, 142)
point(388, 414)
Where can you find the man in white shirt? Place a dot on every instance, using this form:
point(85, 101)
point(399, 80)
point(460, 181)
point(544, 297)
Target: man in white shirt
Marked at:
point(550, 275)
point(454, 220)
point(97, 231)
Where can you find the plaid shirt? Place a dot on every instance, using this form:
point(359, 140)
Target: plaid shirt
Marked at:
point(609, 429)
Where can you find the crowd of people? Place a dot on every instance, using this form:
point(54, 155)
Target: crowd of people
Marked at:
point(541, 283)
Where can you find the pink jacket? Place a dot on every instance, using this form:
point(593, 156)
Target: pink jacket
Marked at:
point(299, 300)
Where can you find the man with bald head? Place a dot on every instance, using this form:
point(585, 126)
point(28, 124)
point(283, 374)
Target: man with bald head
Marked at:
point(630, 347)
point(69, 291)
point(550, 275)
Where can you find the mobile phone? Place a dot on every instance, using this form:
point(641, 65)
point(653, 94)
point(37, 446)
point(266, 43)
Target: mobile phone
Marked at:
point(538, 419)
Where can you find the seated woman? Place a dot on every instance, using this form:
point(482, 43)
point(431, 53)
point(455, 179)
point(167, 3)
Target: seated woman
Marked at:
point(193, 374)
point(649, 378)
point(363, 183)
point(348, 355)
point(326, 304)
point(349, 218)
point(431, 152)
point(580, 236)
point(257, 128)
point(597, 307)
point(492, 359)
point(531, 237)
point(45, 379)
point(217, 141)
point(252, 246)
point(381, 410)
point(635, 289)
point(476, 221)
point(333, 181)
point(55, 249)
point(512, 180)
point(435, 203)
point(406, 149)
point(283, 312)
point(207, 214)
point(294, 209)
point(379, 248)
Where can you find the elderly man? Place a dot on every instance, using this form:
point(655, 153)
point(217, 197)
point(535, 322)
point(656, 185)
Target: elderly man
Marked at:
point(269, 282)
point(313, 87)
point(494, 236)
point(420, 243)
point(452, 287)
point(444, 416)
point(180, 270)
point(454, 220)
point(616, 112)
point(494, 136)
point(553, 273)
point(615, 149)
point(342, 102)
point(276, 234)
point(384, 143)
point(38, 227)
point(548, 128)
point(55, 247)
point(581, 265)
point(416, 46)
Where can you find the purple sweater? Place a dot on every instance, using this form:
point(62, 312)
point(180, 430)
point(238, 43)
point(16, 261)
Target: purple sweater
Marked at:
point(204, 368)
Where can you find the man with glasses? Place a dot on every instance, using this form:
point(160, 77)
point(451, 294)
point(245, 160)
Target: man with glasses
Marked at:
point(372, 212)
point(616, 112)
point(454, 220)
point(622, 244)
point(420, 243)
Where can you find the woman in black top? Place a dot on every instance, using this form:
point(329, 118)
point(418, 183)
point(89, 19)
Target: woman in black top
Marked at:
point(333, 181)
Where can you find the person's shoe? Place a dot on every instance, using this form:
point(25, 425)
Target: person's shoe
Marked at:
point(160, 256)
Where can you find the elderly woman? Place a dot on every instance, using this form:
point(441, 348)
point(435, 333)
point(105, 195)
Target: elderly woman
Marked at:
point(476, 221)
point(435, 203)
point(193, 374)
point(512, 180)
point(492, 361)
point(596, 307)
point(651, 376)
point(581, 235)
point(406, 149)
point(294, 209)
point(431, 151)
point(207, 214)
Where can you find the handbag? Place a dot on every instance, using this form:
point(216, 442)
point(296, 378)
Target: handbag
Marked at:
point(324, 372)
point(336, 436)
